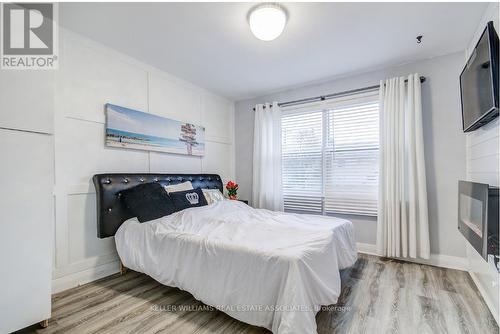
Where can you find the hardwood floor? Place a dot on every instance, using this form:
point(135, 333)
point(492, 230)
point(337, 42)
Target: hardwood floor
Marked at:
point(378, 296)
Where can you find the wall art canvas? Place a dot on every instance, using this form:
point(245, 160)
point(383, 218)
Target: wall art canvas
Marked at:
point(128, 128)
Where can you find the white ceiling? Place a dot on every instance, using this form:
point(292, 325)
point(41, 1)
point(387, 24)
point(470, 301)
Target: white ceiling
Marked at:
point(210, 44)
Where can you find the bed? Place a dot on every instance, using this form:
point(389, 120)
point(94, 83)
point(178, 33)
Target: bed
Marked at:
point(268, 269)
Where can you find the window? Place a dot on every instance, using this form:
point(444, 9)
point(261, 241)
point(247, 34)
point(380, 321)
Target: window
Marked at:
point(330, 156)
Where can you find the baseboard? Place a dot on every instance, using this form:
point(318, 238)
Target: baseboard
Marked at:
point(485, 295)
point(367, 248)
point(438, 260)
point(85, 276)
point(444, 261)
point(82, 265)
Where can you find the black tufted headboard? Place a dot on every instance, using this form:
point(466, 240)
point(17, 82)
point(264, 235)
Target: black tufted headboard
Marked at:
point(111, 212)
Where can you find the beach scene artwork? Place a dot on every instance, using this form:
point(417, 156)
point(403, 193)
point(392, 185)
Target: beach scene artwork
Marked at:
point(128, 128)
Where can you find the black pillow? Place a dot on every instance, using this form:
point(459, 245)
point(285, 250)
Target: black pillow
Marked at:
point(188, 199)
point(148, 201)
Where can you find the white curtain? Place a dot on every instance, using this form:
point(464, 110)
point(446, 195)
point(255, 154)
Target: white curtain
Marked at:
point(266, 188)
point(403, 227)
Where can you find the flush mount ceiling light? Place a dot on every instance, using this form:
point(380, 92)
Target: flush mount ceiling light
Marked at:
point(267, 21)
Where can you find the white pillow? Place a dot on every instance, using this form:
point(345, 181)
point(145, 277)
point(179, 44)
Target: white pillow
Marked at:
point(179, 187)
point(213, 195)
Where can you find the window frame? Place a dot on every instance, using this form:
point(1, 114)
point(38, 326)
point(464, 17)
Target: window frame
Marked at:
point(324, 107)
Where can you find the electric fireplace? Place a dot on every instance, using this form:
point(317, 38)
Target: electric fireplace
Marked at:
point(478, 217)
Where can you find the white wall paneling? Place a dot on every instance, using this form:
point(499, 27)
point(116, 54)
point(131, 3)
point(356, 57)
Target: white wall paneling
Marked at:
point(218, 158)
point(82, 230)
point(483, 158)
point(172, 100)
point(26, 229)
point(162, 162)
point(91, 75)
point(483, 154)
point(87, 155)
point(216, 113)
point(27, 99)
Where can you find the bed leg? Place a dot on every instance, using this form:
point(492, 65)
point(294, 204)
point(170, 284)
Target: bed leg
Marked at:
point(44, 323)
point(123, 269)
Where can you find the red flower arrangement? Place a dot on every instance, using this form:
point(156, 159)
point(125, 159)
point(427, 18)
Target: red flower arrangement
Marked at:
point(232, 189)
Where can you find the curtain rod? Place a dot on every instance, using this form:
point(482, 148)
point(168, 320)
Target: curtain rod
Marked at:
point(330, 96)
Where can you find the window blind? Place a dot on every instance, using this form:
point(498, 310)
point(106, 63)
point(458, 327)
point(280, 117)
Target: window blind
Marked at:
point(302, 161)
point(330, 157)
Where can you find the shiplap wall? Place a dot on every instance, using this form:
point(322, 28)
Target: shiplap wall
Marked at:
point(91, 75)
point(483, 158)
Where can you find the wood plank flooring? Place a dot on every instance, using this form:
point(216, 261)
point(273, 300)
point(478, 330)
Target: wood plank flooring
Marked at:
point(378, 296)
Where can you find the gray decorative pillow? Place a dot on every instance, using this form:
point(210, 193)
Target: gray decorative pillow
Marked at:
point(213, 195)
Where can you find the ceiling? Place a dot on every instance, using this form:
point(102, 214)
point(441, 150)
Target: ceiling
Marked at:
point(210, 44)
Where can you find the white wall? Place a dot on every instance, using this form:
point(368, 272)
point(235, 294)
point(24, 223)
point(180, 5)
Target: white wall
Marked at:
point(443, 139)
point(483, 158)
point(91, 75)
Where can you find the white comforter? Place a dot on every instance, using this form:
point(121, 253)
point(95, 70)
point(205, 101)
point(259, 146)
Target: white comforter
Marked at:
point(265, 268)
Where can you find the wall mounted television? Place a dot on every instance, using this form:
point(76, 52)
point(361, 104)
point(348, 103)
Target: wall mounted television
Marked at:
point(479, 82)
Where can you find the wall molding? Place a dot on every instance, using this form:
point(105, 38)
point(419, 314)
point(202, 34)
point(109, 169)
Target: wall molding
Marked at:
point(444, 261)
point(437, 260)
point(80, 266)
point(85, 276)
point(487, 299)
point(218, 139)
point(102, 122)
point(80, 189)
point(71, 36)
point(26, 130)
point(365, 248)
point(74, 195)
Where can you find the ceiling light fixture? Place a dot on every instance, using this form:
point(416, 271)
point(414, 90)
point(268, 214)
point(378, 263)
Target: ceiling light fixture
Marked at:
point(267, 21)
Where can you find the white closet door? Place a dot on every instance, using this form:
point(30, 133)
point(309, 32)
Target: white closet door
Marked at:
point(26, 228)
